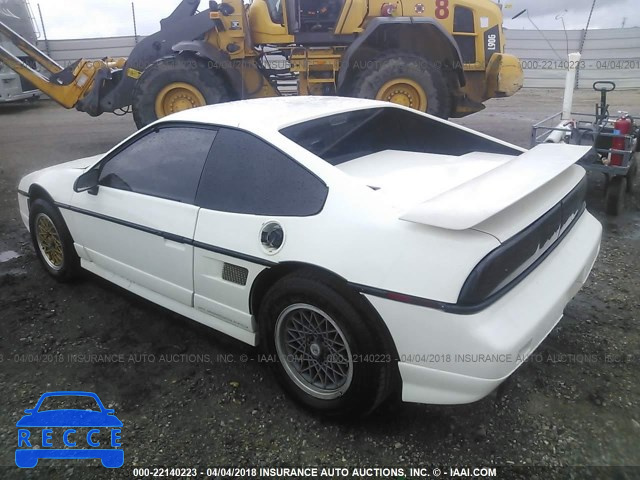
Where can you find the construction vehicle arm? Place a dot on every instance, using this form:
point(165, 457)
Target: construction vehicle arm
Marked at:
point(117, 90)
point(98, 86)
point(31, 50)
point(186, 8)
point(64, 85)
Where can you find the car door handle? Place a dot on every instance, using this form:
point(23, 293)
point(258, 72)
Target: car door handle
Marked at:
point(174, 238)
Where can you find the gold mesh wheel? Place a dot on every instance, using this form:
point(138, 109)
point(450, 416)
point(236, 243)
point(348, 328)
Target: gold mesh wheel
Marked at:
point(177, 97)
point(405, 92)
point(49, 242)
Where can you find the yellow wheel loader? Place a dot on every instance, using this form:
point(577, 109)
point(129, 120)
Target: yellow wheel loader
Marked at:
point(445, 57)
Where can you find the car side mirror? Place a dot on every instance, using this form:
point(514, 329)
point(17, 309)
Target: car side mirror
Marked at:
point(88, 182)
point(29, 411)
point(109, 411)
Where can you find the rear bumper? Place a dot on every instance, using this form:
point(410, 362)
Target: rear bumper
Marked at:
point(23, 203)
point(110, 458)
point(11, 89)
point(35, 94)
point(452, 359)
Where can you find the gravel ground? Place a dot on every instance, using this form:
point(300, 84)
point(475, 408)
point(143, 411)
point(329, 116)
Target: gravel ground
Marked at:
point(191, 397)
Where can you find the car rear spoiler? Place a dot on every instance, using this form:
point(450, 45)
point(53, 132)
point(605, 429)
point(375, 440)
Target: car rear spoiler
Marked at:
point(472, 203)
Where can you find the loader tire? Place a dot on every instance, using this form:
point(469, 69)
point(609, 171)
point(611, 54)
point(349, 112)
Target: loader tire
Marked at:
point(175, 83)
point(407, 80)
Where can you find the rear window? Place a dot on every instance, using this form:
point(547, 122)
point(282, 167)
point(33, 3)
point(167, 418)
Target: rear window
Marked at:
point(345, 136)
point(72, 402)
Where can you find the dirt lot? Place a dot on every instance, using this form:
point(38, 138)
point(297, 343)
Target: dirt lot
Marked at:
point(183, 404)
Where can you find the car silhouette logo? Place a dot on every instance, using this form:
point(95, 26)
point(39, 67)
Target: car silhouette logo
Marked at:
point(43, 431)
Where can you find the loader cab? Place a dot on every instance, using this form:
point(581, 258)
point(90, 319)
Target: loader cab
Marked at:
point(318, 15)
point(308, 21)
point(313, 15)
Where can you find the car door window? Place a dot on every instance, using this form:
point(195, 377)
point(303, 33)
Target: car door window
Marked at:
point(244, 174)
point(165, 163)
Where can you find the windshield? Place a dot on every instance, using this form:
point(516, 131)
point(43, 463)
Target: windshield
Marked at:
point(345, 136)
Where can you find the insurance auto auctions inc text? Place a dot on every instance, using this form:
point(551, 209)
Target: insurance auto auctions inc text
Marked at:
point(354, 472)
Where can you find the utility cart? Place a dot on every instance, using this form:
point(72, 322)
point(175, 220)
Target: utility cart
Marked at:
point(615, 144)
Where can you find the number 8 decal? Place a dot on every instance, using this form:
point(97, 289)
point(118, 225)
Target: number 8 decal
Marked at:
point(442, 9)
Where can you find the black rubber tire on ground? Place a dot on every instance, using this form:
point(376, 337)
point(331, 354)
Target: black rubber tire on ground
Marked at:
point(390, 66)
point(199, 73)
point(69, 268)
point(615, 199)
point(632, 174)
point(372, 368)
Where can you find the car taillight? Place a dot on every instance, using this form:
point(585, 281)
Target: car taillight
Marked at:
point(508, 264)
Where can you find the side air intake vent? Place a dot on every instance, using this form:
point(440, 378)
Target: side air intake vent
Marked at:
point(235, 274)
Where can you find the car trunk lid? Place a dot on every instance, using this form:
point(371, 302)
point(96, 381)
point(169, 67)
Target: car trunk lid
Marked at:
point(497, 194)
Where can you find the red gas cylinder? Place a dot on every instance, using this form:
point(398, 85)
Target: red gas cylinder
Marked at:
point(622, 127)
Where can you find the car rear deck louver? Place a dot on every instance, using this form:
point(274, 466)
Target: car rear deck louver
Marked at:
point(508, 264)
point(235, 274)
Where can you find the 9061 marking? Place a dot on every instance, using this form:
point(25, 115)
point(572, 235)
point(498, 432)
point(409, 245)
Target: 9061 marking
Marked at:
point(492, 41)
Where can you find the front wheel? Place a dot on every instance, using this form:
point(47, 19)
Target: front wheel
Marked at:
point(327, 355)
point(52, 241)
point(176, 83)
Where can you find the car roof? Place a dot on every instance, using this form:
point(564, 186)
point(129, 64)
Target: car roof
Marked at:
point(69, 394)
point(272, 113)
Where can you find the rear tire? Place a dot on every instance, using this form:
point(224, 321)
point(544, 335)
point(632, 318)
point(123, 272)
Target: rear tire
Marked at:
point(328, 356)
point(632, 175)
point(616, 191)
point(52, 241)
point(408, 80)
point(176, 83)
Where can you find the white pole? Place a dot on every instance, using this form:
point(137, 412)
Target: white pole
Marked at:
point(556, 136)
point(569, 86)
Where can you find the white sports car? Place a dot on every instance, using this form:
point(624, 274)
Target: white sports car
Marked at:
point(365, 246)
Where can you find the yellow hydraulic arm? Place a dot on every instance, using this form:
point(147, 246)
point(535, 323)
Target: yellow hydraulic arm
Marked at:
point(64, 85)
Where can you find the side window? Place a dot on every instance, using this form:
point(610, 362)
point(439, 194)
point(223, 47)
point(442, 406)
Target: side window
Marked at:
point(275, 11)
point(463, 20)
point(320, 15)
point(164, 163)
point(464, 33)
point(246, 175)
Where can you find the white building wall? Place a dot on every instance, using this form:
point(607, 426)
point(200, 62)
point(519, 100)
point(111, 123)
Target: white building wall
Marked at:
point(612, 54)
